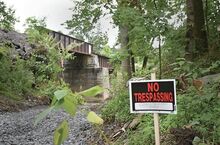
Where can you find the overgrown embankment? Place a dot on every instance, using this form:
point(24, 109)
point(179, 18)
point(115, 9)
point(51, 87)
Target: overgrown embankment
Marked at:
point(30, 68)
point(196, 121)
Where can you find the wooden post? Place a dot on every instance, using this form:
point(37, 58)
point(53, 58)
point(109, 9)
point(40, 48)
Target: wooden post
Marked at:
point(157, 129)
point(156, 119)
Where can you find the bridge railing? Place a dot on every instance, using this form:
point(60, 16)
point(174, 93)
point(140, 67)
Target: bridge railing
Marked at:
point(103, 61)
point(65, 40)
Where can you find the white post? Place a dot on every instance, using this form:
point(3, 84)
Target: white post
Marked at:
point(156, 119)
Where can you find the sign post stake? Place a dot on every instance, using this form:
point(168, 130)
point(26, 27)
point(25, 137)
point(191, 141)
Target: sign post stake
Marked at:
point(156, 119)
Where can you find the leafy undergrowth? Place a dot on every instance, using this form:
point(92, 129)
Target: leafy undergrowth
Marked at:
point(117, 109)
point(33, 79)
point(197, 120)
point(115, 114)
point(15, 79)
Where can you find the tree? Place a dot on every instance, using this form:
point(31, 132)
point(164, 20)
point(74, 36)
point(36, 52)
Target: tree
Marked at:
point(197, 41)
point(212, 18)
point(98, 39)
point(189, 32)
point(120, 20)
point(7, 17)
point(201, 42)
point(33, 23)
point(85, 17)
point(126, 61)
point(138, 22)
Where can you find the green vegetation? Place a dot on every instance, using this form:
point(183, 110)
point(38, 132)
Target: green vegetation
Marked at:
point(187, 49)
point(38, 73)
point(7, 17)
point(118, 108)
point(14, 75)
point(197, 110)
point(45, 62)
point(22, 77)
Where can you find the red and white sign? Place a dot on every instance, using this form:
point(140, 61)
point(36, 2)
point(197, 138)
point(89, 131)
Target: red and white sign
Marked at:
point(153, 96)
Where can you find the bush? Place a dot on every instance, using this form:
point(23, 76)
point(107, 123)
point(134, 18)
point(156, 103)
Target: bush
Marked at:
point(144, 133)
point(51, 86)
point(38, 75)
point(45, 63)
point(15, 79)
point(198, 109)
point(117, 109)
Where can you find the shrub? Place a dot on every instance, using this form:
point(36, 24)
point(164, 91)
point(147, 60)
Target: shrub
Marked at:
point(15, 79)
point(117, 109)
point(7, 19)
point(198, 109)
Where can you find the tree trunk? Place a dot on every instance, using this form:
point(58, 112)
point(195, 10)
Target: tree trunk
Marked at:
point(126, 62)
point(201, 42)
point(144, 65)
point(196, 36)
point(189, 49)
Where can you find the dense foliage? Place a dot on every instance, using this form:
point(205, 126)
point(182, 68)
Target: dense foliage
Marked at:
point(45, 60)
point(15, 79)
point(197, 110)
point(180, 38)
point(37, 74)
point(111, 112)
point(7, 17)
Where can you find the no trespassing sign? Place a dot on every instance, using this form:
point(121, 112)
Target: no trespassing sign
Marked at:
point(153, 96)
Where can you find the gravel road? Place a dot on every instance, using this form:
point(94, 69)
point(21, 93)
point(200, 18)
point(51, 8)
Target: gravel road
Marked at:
point(16, 128)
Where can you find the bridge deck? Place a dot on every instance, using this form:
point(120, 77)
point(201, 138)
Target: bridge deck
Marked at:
point(82, 47)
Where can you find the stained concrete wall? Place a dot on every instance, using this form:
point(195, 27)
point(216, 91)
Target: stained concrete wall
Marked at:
point(83, 72)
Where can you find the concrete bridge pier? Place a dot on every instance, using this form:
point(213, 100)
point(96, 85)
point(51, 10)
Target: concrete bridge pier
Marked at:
point(85, 72)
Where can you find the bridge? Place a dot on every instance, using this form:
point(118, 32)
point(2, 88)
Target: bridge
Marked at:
point(87, 69)
point(83, 48)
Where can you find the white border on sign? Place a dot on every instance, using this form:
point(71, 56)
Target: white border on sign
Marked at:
point(162, 112)
point(153, 106)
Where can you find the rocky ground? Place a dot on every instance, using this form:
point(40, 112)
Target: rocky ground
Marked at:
point(16, 128)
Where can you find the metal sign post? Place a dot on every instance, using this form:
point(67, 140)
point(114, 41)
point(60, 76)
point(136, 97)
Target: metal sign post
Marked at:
point(156, 119)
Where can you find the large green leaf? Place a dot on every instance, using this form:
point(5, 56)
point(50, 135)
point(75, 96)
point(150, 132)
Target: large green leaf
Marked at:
point(94, 118)
point(69, 106)
point(59, 94)
point(58, 104)
point(43, 114)
point(61, 133)
point(54, 101)
point(92, 91)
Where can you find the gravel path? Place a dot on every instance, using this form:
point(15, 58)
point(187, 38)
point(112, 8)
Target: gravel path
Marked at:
point(16, 128)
